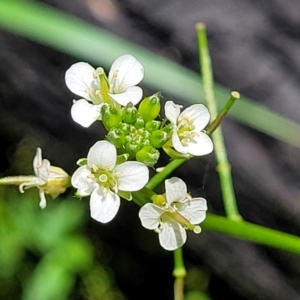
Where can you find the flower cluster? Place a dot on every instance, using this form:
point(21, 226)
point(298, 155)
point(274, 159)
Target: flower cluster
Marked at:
point(136, 132)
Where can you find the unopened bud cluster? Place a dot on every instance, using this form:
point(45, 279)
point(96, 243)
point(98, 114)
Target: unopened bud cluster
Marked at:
point(135, 130)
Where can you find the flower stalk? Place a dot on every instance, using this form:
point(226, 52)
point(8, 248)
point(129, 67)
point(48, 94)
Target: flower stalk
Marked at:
point(223, 166)
point(179, 273)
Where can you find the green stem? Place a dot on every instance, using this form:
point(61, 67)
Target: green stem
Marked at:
point(251, 232)
point(223, 166)
point(167, 170)
point(217, 121)
point(179, 273)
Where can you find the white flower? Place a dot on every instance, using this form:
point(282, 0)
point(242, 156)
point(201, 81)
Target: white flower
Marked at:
point(83, 80)
point(187, 137)
point(176, 211)
point(103, 180)
point(48, 179)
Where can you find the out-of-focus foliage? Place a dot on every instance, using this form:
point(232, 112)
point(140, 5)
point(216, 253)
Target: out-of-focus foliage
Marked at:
point(45, 253)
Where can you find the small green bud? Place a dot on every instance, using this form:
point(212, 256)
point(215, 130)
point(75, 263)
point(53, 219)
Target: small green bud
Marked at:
point(116, 137)
point(137, 139)
point(139, 123)
point(168, 129)
point(148, 155)
point(131, 149)
point(111, 117)
point(145, 142)
point(129, 114)
point(149, 108)
point(158, 138)
point(127, 128)
point(152, 125)
point(145, 134)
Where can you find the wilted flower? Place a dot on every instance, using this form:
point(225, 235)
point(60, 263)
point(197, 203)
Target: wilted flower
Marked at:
point(120, 87)
point(172, 213)
point(104, 180)
point(48, 179)
point(188, 136)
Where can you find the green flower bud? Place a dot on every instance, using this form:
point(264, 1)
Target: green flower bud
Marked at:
point(145, 142)
point(131, 149)
point(116, 137)
point(137, 139)
point(152, 125)
point(129, 114)
point(149, 108)
point(158, 138)
point(168, 129)
point(139, 123)
point(144, 133)
point(148, 155)
point(127, 128)
point(111, 117)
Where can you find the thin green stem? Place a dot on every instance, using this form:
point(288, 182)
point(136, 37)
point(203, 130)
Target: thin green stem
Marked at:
point(217, 121)
point(167, 170)
point(179, 273)
point(223, 166)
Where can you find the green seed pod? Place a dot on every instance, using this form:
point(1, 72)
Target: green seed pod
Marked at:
point(158, 138)
point(129, 114)
point(148, 156)
point(111, 118)
point(149, 108)
point(116, 137)
point(152, 125)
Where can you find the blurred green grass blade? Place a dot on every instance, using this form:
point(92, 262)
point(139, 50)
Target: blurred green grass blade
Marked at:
point(71, 35)
point(253, 233)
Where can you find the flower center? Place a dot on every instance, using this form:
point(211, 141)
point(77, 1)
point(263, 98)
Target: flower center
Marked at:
point(185, 130)
point(115, 87)
point(105, 179)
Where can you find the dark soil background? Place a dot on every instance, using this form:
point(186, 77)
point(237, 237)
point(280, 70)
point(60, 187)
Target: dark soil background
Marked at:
point(255, 47)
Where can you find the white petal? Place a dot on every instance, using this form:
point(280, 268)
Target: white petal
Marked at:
point(80, 80)
point(81, 179)
point(133, 94)
point(150, 215)
point(200, 145)
point(175, 190)
point(177, 144)
point(172, 111)
point(102, 155)
point(43, 202)
point(104, 205)
point(199, 114)
point(37, 160)
point(125, 71)
point(172, 235)
point(194, 210)
point(41, 166)
point(131, 176)
point(85, 113)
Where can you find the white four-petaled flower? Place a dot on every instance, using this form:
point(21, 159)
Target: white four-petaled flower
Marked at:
point(83, 80)
point(187, 136)
point(164, 218)
point(103, 180)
